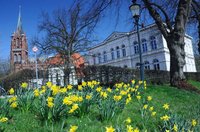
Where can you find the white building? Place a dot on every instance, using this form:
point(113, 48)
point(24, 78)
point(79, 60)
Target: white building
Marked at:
point(121, 49)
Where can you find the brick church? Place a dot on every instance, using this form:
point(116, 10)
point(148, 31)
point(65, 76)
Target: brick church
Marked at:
point(19, 47)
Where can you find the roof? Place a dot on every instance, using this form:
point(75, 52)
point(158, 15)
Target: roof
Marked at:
point(58, 59)
point(19, 23)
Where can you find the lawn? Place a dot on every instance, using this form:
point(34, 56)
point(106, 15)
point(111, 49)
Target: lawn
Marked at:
point(195, 83)
point(183, 107)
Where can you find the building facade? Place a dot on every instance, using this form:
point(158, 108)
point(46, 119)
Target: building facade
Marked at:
point(121, 49)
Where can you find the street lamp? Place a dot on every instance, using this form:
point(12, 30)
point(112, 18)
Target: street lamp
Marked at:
point(135, 10)
point(35, 49)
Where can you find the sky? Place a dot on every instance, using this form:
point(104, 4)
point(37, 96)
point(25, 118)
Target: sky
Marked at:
point(31, 11)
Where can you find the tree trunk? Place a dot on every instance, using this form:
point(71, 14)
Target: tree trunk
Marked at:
point(177, 59)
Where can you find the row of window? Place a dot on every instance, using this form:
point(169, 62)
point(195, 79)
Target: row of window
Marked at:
point(155, 63)
point(105, 58)
point(144, 45)
point(123, 50)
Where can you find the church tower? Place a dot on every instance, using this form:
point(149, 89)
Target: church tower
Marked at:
point(19, 47)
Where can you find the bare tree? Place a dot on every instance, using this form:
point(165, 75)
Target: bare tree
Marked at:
point(69, 31)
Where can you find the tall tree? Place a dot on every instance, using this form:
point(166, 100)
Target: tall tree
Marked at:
point(173, 31)
point(195, 18)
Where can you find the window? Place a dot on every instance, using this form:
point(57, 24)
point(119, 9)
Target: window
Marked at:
point(104, 56)
point(123, 50)
point(153, 43)
point(156, 64)
point(137, 65)
point(15, 58)
point(17, 42)
point(94, 59)
point(146, 65)
point(99, 57)
point(136, 47)
point(118, 52)
point(19, 58)
point(112, 54)
point(144, 45)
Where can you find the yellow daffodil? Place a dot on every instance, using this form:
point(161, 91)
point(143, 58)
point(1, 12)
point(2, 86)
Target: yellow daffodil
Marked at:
point(99, 89)
point(36, 93)
point(69, 87)
point(80, 87)
point(49, 84)
point(117, 98)
point(194, 122)
point(12, 99)
point(50, 99)
point(138, 97)
point(145, 106)
point(166, 106)
point(129, 128)
point(104, 94)
point(153, 113)
point(11, 91)
point(165, 118)
point(151, 108)
point(149, 98)
point(133, 81)
point(55, 89)
point(14, 105)
point(75, 106)
point(24, 85)
point(175, 128)
point(123, 92)
point(73, 128)
point(88, 97)
point(84, 84)
point(44, 87)
point(50, 104)
point(67, 101)
point(3, 119)
point(110, 129)
point(109, 90)
point(63, 90)
point(128, 120)
point(128, 100)
point(80, 98)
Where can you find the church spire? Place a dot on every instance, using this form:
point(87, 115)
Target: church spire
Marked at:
point(19, 23)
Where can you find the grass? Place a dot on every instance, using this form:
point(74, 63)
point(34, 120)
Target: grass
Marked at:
point(184, 103)
point(195, 83)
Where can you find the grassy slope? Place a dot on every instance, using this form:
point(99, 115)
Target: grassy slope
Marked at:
point(194, 83)
point(182, 102)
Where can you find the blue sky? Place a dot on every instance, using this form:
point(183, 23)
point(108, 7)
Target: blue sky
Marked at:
point(31, 10)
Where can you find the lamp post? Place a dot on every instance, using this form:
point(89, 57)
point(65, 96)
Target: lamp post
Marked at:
point(135, 10)
point(35, 49)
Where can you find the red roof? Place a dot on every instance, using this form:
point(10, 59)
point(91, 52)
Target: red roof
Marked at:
point(76, 58)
